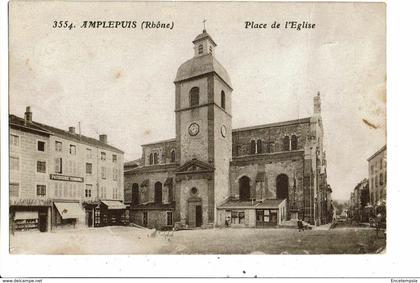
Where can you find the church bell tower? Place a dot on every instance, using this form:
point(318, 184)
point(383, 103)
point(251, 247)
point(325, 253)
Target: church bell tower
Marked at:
point(203, 132)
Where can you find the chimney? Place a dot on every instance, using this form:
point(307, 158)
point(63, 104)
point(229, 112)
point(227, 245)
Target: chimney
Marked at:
point(28, 115)
point(103, 138)
point(72, 130)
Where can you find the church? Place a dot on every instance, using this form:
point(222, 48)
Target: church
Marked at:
point(211, 175)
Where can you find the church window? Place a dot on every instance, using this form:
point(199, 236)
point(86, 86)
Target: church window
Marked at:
point(286, 143)
point(170, 193)
point(158, 192)
point(200, 49)
point(151, 159)
point(294, 142)
point(155, 158)
point(173, 155)
point(211, 49)
point(270, 147)
point(237, 150)
point(259, 146)
point(135, 194)
point(223, 98)
point(244, 188)
point(194, 96)
point(252, 147)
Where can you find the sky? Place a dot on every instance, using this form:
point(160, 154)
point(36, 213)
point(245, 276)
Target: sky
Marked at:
point(119, 82)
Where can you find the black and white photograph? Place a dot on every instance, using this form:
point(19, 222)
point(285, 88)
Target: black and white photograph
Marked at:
point(197, 128)
point(229, 140)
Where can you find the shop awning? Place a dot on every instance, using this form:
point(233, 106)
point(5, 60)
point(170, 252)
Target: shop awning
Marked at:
point(26, 215)
point(168, 181)
point(69, 210)
point(270, 203)
point(114, 204)
point(260, 177)
point(145, 183)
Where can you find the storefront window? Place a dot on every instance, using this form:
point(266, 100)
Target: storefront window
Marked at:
point(238, 217)
point(269, 216)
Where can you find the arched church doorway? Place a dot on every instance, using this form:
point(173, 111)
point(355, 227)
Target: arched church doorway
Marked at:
point(244, 188)
point(282, 187)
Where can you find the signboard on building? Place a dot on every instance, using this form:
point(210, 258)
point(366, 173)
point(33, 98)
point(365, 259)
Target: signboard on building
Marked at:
point(30, 202)
point(65, 178)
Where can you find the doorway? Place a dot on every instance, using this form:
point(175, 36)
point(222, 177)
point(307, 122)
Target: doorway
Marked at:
point(195, 213)
point(43, 222)
point(198, 216)
point(89, 218)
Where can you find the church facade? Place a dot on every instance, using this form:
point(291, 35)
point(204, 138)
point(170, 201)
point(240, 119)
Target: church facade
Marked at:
point(212, 175)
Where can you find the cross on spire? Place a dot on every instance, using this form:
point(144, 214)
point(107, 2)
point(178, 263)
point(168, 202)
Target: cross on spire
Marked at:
point(204, 24)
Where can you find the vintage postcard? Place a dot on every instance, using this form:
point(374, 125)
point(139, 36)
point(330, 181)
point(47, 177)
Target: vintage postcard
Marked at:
point(197, 128)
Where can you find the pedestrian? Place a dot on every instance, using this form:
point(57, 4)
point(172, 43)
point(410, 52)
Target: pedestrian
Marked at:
point(300, 225)
point(378, 224)
point(227, 221)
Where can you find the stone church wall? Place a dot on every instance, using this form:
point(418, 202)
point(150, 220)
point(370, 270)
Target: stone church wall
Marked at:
point(292, 168)
point(222, 152)
point(271, 137)
point(194, 146)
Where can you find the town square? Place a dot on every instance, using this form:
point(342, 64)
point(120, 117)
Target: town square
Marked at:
point(197, 146)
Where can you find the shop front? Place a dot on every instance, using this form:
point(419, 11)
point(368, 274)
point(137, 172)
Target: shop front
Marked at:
point(264, 214)
point(111, 212)
point(26, 215)
point(267, 217)
point(68, 215)
point(271, 213)
point(25, 220)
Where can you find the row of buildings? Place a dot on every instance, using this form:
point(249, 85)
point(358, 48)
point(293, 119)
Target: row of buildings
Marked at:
point(61, 178)
point(369, 195)
point(208, 175)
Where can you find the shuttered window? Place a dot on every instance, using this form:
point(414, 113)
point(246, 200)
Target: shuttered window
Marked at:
point(58, 165)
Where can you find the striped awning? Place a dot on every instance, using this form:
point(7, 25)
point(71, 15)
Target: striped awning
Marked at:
point(260, 177)
point(168, 181)
point(69, 210)
point(145, 183)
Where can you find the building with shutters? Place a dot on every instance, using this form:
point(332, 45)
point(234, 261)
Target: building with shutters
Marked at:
point(212, 175)
point(377, 176)
point(61, 178)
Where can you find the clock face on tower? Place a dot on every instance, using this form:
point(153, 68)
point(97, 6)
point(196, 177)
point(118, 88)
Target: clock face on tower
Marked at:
point(193, 129)
point(223, 131)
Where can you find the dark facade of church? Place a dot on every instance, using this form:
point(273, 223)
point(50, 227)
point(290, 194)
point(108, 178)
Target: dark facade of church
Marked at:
point(212, 175)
